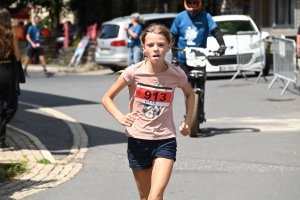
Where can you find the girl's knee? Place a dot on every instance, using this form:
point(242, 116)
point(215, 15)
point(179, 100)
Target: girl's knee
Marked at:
point(156, 195)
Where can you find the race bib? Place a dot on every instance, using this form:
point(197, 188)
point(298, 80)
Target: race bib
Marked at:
point(153, 95)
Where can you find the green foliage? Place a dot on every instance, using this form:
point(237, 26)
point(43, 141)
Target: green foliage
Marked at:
point(53, 6)
point(44, 161)
point(9, 171)
point(47, 22)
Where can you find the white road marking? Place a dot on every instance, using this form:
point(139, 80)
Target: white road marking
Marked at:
point(264, 124)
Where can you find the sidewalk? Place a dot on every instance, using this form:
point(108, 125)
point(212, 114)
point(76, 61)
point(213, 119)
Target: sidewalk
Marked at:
point(27, 147)
point(66, 69)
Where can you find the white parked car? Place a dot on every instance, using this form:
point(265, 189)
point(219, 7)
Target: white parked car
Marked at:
point(111, 49)
point(229, 26)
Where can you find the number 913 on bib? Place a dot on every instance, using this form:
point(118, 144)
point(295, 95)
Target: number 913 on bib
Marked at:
point(153, 95)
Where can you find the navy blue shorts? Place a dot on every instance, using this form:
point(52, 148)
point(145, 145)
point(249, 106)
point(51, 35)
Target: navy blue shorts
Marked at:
point(141, 153)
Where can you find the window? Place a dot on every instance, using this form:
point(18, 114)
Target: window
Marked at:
point(232, 27)
point(285, 12)
point(109, 31)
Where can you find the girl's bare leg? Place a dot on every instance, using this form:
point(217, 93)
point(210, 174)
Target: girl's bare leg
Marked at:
point(143, 182)
point(161, 173)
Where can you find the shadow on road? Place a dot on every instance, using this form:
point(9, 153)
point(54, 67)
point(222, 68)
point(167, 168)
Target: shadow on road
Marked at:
point(56, 135)
point(51, 100)
point(209, 132)
point(18, 184)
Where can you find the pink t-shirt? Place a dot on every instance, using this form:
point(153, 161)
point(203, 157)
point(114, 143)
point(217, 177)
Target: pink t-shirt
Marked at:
point(151, 98)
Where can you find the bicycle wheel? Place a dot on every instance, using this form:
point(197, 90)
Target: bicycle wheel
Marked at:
point(195, 121)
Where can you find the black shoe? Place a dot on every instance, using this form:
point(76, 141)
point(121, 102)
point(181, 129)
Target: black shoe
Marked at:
point(49, 74)
point(4, 146)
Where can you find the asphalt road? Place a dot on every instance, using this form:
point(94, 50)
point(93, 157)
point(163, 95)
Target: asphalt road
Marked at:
point(252, 150)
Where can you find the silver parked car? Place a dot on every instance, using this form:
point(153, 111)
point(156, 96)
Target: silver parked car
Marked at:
point(111, 49)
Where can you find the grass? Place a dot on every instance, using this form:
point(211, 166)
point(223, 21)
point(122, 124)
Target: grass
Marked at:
point(44, 161)
point(11, 170)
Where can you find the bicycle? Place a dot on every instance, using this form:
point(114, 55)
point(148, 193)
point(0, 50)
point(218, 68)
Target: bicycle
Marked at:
point(196, 59)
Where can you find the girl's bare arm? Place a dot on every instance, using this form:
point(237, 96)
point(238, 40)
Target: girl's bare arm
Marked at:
point(110, 106)
point(189, 103)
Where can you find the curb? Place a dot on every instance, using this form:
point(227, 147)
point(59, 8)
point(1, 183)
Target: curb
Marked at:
point(66, 69)
point(43, 176)
point(44, 151)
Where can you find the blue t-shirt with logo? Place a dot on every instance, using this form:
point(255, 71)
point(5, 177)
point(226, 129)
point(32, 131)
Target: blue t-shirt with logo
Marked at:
point(192, 31)
point(137, 30)
point(35, 34)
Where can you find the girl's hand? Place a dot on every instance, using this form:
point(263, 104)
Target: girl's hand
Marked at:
point(128, 119)
point(184, 129)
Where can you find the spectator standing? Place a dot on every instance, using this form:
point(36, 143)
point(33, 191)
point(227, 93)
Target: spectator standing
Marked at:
point(9, 85)
point(34, 46)
point(19, 31)
point(135, 54)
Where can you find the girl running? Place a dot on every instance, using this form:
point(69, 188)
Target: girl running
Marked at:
point(149, 124)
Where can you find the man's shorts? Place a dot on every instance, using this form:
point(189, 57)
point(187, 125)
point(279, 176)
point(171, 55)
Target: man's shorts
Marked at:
point(141, 153)
point(35, 52)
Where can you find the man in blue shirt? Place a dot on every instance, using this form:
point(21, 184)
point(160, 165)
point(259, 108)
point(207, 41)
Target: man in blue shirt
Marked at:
point(34, 46)
point(191, 28)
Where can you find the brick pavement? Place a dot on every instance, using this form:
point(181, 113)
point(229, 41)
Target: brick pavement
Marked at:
point(28, 148)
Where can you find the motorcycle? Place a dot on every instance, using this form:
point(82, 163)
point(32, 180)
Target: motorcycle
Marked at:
point(196, 60)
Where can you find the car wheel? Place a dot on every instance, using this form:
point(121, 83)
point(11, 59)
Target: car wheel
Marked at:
point(115, 68)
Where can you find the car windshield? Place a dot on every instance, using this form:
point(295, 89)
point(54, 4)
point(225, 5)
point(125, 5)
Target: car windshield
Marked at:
point(109, 31)
point(232, 27)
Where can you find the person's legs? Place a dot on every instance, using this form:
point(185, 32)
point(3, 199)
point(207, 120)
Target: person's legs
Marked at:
point(137, 54)
point(12, 102)
point(161, 173)
point(151, 162)
point(143, 182)
point(30, 53)
point(25, 65)
point(2, 117)
point(8, 95)
point(43, 62)
point(130, 56)
point(41, 55)
point(26, 62)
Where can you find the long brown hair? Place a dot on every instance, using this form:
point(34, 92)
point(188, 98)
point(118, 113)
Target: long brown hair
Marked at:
point(6, 33)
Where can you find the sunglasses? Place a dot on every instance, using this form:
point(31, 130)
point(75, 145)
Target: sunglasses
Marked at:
point(192, 3)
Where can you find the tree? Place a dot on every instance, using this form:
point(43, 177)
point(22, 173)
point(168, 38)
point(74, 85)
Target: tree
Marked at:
point(54, 7)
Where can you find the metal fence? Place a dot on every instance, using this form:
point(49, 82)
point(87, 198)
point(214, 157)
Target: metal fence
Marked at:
point(284, 62)
point(250, 53)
